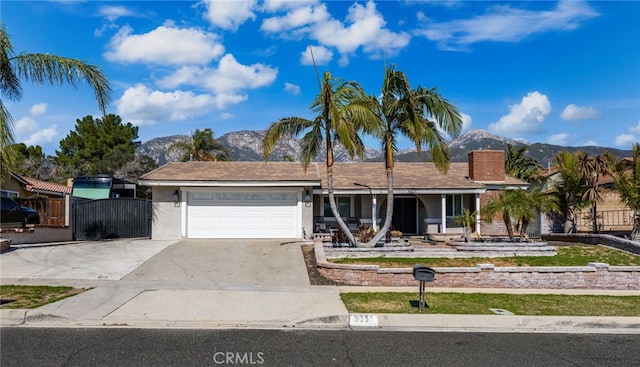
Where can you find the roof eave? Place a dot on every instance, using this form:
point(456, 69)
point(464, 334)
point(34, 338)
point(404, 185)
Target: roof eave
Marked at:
point(173, 183)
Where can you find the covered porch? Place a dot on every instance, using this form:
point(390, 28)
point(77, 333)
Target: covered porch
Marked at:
point(415, 212)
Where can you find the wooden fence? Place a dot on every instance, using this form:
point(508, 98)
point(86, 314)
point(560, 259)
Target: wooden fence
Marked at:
point(51, 210)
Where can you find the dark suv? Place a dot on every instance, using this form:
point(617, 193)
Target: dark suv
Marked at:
point(12, 212)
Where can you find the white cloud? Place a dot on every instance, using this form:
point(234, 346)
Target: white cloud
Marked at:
point(229, 14)
point(502, 23)
point(38, 109)
point(625, 139)
point(523, 118)
point(466, 122)
point(25, 126)
point(28, 132)
point(558, 139)
point(42, 136)
point(226, 116)
point(321, 55)
point(112, 13)
point(141, 105)
point(299, 17)
point(573, 112)
point(229, 77)
point(292, 88)
point(363, 28)
point(165, 45)
point(632, 136)
point(591, 143)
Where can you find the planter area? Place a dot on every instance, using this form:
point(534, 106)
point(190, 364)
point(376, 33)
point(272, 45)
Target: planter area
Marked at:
point(590, 276)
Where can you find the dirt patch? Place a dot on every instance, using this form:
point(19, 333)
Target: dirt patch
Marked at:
point(315, 278)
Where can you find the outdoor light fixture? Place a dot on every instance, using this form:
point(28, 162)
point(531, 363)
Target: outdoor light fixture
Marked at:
point(176, 197)
point(307, 198)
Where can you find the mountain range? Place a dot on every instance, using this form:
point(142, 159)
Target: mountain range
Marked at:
point(246, 145)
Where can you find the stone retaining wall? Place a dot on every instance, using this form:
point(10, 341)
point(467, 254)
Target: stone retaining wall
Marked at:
point(596, 239)
point(592, 276)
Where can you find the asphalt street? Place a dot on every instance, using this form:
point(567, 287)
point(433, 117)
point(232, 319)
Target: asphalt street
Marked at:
point(181, 347)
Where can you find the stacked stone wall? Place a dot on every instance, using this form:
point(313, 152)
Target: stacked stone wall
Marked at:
point(591, 276)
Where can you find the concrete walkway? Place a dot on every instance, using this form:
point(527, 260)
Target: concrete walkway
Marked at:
point(229, 283)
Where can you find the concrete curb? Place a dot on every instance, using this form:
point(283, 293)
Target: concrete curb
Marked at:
point(501, 323)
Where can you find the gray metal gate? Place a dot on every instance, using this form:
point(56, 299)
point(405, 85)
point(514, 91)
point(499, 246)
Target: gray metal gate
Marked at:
point(111, 218)
point(534, 229)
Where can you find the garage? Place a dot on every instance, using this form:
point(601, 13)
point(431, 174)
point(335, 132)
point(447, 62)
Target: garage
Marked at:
point(243, 214)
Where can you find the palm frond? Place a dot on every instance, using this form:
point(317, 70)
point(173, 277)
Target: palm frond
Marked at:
point(57, 70)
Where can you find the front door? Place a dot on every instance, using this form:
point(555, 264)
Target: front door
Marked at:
point(405, 211)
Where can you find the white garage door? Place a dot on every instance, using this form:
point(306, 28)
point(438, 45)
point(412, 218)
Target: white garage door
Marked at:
point(242, 215)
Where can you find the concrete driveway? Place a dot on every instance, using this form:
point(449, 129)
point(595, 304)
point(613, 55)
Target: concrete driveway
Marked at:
point(186, 283)
point(93, 260)
point(226, 262)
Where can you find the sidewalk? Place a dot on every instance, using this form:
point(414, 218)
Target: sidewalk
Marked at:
point(175, 285)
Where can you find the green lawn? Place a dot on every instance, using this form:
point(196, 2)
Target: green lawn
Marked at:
point(32, 296)
point(570, 255)
point(481, 303)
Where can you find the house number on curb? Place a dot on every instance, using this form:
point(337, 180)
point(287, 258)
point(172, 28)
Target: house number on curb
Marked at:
point(363, 320)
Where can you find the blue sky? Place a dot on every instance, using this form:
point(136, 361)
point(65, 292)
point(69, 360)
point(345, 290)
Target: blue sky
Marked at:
point(565, 72)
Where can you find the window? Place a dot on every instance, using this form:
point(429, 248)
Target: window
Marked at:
point(454, 205)
point(8, 194)
point(343, 203)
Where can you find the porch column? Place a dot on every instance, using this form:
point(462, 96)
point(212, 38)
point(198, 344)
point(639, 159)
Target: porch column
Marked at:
point(478, 213)
point(444, 212)
point(374, 209)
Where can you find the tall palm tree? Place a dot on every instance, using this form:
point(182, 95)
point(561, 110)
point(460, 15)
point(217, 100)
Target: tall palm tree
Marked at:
point(420, 114)
point(39, 69)
point(627, 183)
point(343, 109)
point(201, 147)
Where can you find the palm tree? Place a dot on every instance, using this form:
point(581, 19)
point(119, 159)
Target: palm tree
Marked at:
point(510, 204)
point(533, 203)
point(591, 169)
point(201, 147)
point(569, 189)
point(467, 219)
point(420, 114)
point(627, 183)
point(343, 109)
point(519, 166)
point(39, 69)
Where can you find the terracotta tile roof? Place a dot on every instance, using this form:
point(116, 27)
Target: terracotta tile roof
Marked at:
point(35, 185)
point(418, 175)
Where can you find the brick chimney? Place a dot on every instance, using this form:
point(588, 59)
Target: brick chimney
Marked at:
point(486, 165)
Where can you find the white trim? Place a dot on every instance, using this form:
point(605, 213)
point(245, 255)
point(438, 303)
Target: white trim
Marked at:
point(229, 183)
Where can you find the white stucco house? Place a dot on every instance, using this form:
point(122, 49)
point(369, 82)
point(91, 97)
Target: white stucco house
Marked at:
point(282, 200)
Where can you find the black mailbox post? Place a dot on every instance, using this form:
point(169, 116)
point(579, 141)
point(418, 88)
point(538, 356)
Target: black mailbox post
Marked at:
point(423, 274)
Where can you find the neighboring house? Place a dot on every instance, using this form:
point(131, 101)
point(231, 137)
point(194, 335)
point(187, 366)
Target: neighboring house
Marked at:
point(281, 200)
point(49, 199)
point(29, 188)
point(613, 215)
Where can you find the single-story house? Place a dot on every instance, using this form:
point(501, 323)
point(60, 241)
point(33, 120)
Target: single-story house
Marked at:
point(282, 200)
point(18, 186)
